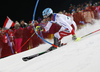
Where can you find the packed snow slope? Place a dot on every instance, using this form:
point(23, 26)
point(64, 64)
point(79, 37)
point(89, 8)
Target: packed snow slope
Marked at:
point(81, 56)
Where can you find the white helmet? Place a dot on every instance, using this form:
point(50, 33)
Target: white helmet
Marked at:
point(47, 12)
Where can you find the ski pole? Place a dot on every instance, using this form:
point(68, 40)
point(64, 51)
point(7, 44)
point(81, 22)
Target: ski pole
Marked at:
point(34, 25)
point(26, 41)
point(90, 33)
point(10, 43)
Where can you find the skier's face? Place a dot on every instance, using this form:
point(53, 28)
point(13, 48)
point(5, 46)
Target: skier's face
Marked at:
point(48, 19)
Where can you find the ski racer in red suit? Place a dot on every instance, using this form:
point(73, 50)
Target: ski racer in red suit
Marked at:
point(65, 24)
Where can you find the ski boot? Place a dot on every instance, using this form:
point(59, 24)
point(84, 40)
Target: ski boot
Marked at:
point(56, 42)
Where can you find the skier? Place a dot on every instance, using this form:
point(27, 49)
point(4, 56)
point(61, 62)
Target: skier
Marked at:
point(65, 25)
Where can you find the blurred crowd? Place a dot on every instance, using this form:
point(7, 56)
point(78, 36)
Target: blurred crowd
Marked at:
point(16, 38)
point(84, 13)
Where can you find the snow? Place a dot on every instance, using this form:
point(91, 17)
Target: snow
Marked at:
point(80, 56)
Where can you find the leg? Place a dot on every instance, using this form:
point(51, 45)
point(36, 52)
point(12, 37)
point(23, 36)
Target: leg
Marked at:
point(56, 42)
point(58, 36)
point(16, 44)
point(19, 44)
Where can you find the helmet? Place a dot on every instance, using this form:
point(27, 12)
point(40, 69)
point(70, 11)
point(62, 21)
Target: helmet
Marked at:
point(46, 12)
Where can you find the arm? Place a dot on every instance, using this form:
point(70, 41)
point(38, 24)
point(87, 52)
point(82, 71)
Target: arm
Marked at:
point(66, 25)
point(46, 28)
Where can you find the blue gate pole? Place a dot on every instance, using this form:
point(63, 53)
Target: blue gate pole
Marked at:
point(34, 25)
point(10, 43)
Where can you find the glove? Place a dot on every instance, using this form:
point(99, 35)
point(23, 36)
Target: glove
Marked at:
point(75, 38)
point(39, 28)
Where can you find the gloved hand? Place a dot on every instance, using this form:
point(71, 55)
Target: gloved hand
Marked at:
point(39, 28)
point(75, 38)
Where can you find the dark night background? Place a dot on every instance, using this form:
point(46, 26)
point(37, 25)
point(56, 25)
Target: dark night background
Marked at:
point(23, 9)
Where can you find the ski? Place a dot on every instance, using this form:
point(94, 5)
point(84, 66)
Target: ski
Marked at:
point(38, 54)
point(33, 56)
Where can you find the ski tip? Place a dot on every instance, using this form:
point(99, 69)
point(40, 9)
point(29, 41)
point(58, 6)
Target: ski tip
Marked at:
point(25, 59)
